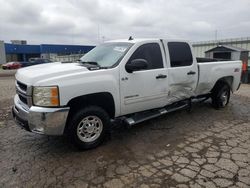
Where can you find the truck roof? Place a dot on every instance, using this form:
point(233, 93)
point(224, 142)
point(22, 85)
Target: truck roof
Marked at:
point(136, 40)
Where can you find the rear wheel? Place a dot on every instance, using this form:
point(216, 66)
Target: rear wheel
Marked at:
point(221, 95)
point(88, 127)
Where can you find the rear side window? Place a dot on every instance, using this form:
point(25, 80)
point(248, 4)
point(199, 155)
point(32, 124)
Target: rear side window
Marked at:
point(150, 52)
point(180, 54)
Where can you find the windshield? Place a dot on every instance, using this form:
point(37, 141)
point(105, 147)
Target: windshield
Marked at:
point(107, 54)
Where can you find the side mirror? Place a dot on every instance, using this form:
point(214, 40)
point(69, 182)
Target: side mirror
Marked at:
point(136, 65)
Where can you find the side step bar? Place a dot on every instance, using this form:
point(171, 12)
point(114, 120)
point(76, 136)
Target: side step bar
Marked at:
point(143, 116)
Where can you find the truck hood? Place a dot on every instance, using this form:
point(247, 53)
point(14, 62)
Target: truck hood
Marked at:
point(32, 74)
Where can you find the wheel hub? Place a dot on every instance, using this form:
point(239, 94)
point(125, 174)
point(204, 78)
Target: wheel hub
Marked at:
point(224, 98)
point(89, 129)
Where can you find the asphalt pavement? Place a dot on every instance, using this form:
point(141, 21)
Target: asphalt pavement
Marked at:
point(201, 148)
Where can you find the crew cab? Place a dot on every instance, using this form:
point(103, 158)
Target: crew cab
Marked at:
point(131, 80)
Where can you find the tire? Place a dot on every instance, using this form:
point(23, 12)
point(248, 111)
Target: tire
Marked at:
point(221, 95)
point(88, 127)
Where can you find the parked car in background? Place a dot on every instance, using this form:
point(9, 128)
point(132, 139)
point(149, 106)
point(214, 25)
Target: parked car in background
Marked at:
point(12, 65)
point(19, 64)
point(24, 63)
point(34, 61)
point(39, 60)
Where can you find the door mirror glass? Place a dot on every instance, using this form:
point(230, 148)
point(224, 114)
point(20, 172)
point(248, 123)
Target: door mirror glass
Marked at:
point(136, 65)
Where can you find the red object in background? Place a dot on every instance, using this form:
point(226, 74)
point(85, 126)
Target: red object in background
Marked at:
point(12, 65)
point(244, 66)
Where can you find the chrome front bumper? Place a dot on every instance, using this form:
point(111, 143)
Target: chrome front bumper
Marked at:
point(48, 121)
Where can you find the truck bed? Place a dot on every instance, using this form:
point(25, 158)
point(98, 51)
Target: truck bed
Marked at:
point(210, 72)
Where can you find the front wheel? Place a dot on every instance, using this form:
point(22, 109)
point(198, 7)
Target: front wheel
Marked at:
point(221, 96)
point(88, 127)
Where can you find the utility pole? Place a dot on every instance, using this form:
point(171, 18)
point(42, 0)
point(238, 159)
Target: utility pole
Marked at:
point(98, 32)
point(216, 34)
point(72, 37)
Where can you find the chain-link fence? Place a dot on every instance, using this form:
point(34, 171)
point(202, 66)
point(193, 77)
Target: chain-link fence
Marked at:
point(62, 57)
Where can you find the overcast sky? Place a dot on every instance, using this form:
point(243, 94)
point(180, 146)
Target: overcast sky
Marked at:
point(77, 21)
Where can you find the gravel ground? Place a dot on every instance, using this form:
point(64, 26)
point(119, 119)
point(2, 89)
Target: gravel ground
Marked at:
point(7, 92)
point(203, 148)
point(7, 73)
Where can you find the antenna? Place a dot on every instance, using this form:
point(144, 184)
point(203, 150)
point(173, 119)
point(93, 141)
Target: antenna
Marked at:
point(130, 38)
point(98, 32)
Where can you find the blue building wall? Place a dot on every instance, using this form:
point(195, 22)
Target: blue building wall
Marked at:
point(52, 48)
point(24, 52)
point(22, 49)
point(45, 48)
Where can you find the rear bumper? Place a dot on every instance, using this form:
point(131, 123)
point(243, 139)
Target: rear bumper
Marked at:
point(48, 121)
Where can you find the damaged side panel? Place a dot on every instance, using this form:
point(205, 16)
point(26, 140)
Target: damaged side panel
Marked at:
point(181, 84)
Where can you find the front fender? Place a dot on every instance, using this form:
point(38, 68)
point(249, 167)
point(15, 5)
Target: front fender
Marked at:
point(92, 82)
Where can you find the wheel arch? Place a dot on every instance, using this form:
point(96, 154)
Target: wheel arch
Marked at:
point(104, 100)
point(228, 80)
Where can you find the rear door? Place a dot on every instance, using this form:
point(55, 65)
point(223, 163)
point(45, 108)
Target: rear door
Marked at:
point(145, 89)
point(183, 71)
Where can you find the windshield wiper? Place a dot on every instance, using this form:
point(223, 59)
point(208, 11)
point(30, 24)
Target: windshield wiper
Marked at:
point(90, 63)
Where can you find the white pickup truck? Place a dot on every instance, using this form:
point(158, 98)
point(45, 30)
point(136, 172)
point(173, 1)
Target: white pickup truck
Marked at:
point(133, 80)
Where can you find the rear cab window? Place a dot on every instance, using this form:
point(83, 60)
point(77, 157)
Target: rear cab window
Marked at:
point(180, 54)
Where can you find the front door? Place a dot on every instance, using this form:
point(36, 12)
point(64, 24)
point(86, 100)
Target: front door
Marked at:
point(145, 89)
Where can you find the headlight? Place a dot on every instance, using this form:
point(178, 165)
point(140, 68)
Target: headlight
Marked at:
point(46, 96)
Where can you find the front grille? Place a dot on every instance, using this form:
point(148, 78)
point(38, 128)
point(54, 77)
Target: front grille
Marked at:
point(22, 91)
point(23, 99)
point(22, 86)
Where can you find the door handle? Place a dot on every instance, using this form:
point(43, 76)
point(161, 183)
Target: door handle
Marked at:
point(191, 73)
point(161, 76)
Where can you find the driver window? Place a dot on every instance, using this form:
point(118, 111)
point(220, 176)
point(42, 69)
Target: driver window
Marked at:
point(151, 53)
